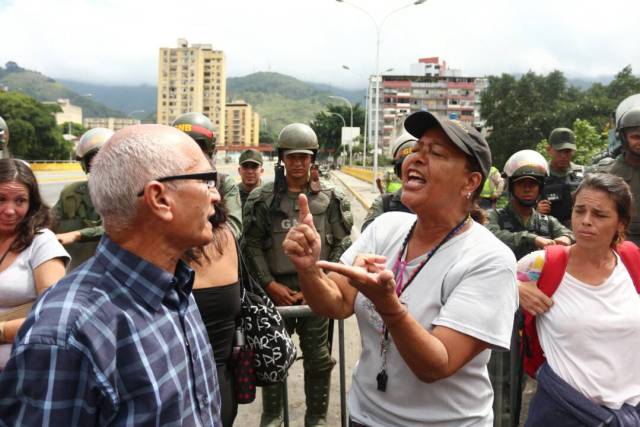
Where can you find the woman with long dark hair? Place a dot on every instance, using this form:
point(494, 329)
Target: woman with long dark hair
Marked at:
point(31, 259)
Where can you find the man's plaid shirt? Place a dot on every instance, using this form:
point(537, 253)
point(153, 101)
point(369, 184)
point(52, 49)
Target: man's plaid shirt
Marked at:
point(119, 342)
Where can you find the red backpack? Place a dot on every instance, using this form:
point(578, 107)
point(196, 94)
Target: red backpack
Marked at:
point(555, 264)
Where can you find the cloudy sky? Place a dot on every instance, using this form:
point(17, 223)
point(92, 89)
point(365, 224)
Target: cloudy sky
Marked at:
point(117, 41)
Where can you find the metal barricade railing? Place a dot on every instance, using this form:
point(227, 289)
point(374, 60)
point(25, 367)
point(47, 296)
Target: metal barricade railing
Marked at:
point(305, 311)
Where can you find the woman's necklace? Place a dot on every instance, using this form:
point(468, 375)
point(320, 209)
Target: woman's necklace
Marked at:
point(399, 269)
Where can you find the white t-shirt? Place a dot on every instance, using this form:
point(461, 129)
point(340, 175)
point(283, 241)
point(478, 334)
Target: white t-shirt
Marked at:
point(468, 285)
point(17, 284)
point(591, 334)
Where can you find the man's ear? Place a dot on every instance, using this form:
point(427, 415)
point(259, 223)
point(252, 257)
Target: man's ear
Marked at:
point(159, 201)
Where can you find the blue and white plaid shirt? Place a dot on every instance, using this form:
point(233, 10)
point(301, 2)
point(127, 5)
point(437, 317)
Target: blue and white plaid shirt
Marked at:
point(116, 342)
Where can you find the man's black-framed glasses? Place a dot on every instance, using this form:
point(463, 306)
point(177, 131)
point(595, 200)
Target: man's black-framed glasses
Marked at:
point(208, 178)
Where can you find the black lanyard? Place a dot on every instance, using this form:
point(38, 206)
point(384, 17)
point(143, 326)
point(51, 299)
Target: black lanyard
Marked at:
point(398, 272)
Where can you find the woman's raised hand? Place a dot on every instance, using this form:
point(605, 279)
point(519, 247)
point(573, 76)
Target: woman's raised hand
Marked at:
point(302, 244)
point(368, 275)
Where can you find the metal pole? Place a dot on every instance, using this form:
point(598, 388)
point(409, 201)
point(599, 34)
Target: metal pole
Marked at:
point(341, 98)
point(343, 386)
point(367, 116)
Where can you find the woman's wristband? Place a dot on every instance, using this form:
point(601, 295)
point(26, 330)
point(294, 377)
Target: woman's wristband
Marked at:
point(2, 338)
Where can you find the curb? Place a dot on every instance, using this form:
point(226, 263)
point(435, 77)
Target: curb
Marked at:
point(365, 204)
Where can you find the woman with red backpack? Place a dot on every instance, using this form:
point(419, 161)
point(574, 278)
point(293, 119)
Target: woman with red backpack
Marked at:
point(584, 341)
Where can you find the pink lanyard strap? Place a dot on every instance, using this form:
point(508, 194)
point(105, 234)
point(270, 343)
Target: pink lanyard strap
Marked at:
point(400, 266)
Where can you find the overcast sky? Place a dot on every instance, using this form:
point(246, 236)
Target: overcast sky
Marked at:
point(117, 41)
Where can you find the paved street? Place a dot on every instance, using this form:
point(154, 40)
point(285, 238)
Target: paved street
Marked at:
point(51, 183)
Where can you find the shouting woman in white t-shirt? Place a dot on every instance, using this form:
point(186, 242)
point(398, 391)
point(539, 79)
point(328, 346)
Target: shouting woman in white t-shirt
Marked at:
point(438, 294)
point(31, 259)
point(589, 330)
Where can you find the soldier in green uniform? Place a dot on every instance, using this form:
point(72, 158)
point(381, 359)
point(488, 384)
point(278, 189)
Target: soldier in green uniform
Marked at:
point(79, 226)
point(270, 211)
point(4, 139)
point(564, 176)
point(199, 127)
point(519, 225)
point(391, 201)
point(627, 164)
point(524, 230)
point(250, 170)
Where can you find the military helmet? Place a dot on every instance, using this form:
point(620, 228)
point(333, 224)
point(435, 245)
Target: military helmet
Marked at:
point(403, 144)
point(4, 133)
point(297, 138)
point(526, 163)
point(90, 143)
point(199, 127)
point(401, 148)
point(628, 114)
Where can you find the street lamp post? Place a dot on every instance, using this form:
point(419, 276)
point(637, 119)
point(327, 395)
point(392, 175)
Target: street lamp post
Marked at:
point(376, 129)
point(341, 98)
point(344, 122)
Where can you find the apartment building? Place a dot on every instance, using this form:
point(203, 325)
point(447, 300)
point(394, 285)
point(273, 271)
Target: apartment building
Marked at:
point(242, 124)
point(70, 113)
point(192, 78)
point(113, 123)
point(430, 86)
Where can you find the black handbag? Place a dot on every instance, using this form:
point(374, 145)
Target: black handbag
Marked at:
point(264, 330)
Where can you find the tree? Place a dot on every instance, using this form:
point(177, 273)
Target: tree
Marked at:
point(72, 128)
point(328, 127)
point(33, 130)
point(522, 112)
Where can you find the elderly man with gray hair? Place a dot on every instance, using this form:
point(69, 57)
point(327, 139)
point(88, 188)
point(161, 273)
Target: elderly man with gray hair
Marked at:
point(119, 341)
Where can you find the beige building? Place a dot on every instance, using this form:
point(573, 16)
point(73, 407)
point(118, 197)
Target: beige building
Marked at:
point(192, 78)
point(70, 113)
point(242, 124)
point(113, 123)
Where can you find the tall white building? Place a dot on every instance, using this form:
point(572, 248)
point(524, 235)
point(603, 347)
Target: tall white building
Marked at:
point(192, 78)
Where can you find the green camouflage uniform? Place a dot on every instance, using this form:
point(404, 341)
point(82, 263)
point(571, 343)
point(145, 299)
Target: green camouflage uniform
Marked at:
point(74, 211)
point(265, 228)
point(229, 191)
point(631, 175)
point(244, 192)
point(388, 202)
point(507, 226)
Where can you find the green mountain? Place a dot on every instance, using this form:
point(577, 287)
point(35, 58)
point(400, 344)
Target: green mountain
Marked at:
point(281, 99)
point(44, 88)
point(139, 101)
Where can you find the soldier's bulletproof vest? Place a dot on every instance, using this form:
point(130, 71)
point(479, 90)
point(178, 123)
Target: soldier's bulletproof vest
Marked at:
point(77, 209)
point(391, 203)
point(286, 216)
point(539, 223)
point(632, 177)
point(558, 190)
